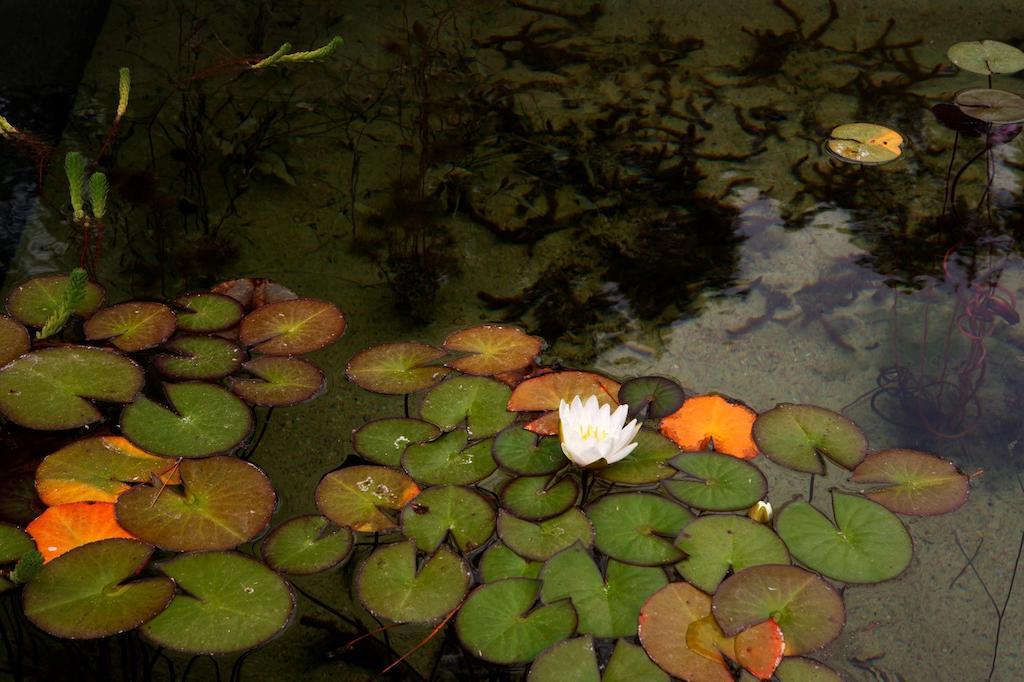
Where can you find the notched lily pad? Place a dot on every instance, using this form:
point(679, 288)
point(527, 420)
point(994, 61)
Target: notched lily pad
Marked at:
point(32, 302)
point(664, 623)
point(526, 454)
point(500, 562)
point(448, 511)
point(651, 397)
point(798, 669)
point(492, 349)
point(535, 498)
point(986, 57)
point(546, 392)
point(279, 382)
point(390, 586)
point(199, 358)
point(797, 436)
point(648, 463)
point(206, 312)
point(573, 660)
point(914, 483)
point(306, 545)
point(293, 327)
point(714, 482)
point(397, 368)
point(541, 541)
point(864, 144)
point(365, 498)
point(449, 460)
point(715, 545)
point(382, 441)
point(629, 663)
point(638, 528)
point(132, 326)
point(990, 105)
point(476, 401)
point(712, 421)
point(14, 339)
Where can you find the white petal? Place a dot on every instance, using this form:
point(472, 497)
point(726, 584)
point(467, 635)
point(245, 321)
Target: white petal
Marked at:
point(622, 453)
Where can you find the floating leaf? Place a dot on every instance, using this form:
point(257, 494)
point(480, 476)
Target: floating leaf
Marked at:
point(448, 460)
point(808, 609)
point(48, 389)
point(796, 436)
point(572, 660)
point(864, 144)
point(281, 381)
point(61, 528)
point(867, 544)
point(396, 368)
point(14, 339)
point(306, 545)
point(492, 349)
point(498, 623)
point(206, 312)
point(390, 586)
point(654, 397)
point(545, 425)
point(950, 116)
point(18, 500)
point(88, 594)
point(715, 545)
point(443, 510)
point(629, 663)
point(199, 358)
point(541, 541)
point(665, 619)
point(797, 669)
point(32, 302)
point(759, 649)
point(500, 562)
point(715, 482)
point(545, 392)
point(132, 326)
point(648, 463)
point(916, 483)
point(14, 544)
point(477, 401)
point(254, 292)
point(986, 57)
point(712, 420)
point(228, 603)
point(382, 441)
point(206, 420)
point(223, 502)
point(535, 498)
point(638, 528)
point(608, 605)
point(523, 453)
point(292, 327)
point(992, 106)
point(365, 498)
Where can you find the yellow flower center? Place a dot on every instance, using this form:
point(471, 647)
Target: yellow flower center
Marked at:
point(592, 432)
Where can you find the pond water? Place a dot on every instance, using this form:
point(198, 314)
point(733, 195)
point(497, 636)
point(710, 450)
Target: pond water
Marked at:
point(642, 184)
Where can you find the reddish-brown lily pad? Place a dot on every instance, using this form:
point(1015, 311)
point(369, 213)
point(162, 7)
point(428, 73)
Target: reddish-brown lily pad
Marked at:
point(546, 392)
point(492, 349)
point(199, 358)
point(665, 620)
point(62, 528)
point(132, 326)
point(14, 339)
point(365, 498)
point(396, 368)
point(913, 483)
point(32, 302)
point(281, 381)
point(206, 312)
point(292, 327)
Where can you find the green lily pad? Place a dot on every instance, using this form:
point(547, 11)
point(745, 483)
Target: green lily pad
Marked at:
point(132, 326)
point(222, 502)
point(293, 327)
point(14, 544)
point(447, 460)
point(716, 482)
point(864, 144)
point(715, 545)
point(541, 541)
point(19, 502)
point(809, 611)
point(992, 106)
point(14, 339)
point(390, 586)
point(526, 454)
point(396, 368)
point(797, 669)
point(228, 603)
point(638, 528)
point(206, 420)
point(32, 302)
point(608, 605)
point(653, 397)
point(648, 463)
point(205, 312)
point(50, 389)
point(986, 57)
point(867, 544)
point(442, 510)
point(573, 660)
point(365, 498)
point(535, 498)
point(279, 382)
point(500, 562)
point(915, 483)
point(199, 358)
point(492, 349)
point(498, 623)
point(382, 441)
point(796, 436)
point(477, 401)
point(664, 622)
point(89, 592)
point(306, 545)
point(629, 663)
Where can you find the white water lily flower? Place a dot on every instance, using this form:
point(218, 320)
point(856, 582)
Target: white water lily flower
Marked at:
point(592, 432)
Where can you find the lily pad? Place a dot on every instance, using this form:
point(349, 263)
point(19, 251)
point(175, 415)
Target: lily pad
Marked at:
point(390, 586)
point(524, 453)
point(279, 382)
point(365, 498)
point(867, 544)
point(864, 144)
point(664, 622)
point(221, 503)
point(477, 401)
point(796, 436)
point(396, 368)
point(199, 358)
point(629, 663)
point(808, 609)
point(441, 511)
point(32, 302)
point(992, 106)
point(986, 57)
point(500, 562)
point(64, 527)
point(915, 483)
point(492, 349)
point(306, 545)
point(14, 339)
point(638, 528)
point(292, 327)
point(608, 605)
point(448, 460)
point(206, 420)
point(132, 326)
point(546, 392)
point(14, 545)
point(498, 623)
point(205, 312)
point(797, 669)
point(228, 602)
point(535, 498)
point(715, 545)
point(541, 541)
point(712, 421)
point(89, 593)
point(653, 397)
point(573, 660)
point(648, 463)
point(715, 482)
point(49, 389)
point(382, 441)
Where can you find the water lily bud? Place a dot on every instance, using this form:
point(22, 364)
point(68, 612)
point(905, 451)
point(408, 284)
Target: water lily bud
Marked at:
point(761, 512)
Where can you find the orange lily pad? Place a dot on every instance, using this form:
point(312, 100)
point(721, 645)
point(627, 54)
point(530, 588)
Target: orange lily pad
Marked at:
point(292, 327)
point(132, 326)
point(713, 421)
point(62, 528)
point(492, 349)
point(759, 649)
point(545, 425)
point(545, 392)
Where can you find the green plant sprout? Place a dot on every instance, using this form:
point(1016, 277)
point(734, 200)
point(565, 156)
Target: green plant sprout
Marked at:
point(6, 129)
point(282, 56)
point(124, 86)
point(74, 167)
point(99, 189)
point(74, 294)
